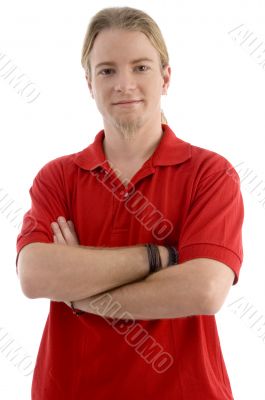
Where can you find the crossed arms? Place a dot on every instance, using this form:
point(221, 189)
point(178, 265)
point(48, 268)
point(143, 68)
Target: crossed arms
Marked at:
point(65, 271)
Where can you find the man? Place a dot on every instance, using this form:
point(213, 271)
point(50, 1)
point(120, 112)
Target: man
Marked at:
point(115, 329)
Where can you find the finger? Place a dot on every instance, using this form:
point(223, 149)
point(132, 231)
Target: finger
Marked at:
point(68, 234)
point(71, 226)
point(57, 233)
point(72, 229)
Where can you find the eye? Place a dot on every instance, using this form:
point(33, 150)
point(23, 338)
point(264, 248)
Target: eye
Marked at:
point(143, 66)
point(102, 72)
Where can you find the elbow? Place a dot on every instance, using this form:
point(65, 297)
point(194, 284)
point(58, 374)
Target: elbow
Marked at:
point(211, 301)
point(26, 268)
point(211, 307)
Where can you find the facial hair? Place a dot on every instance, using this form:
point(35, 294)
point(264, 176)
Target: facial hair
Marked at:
point(128, 128)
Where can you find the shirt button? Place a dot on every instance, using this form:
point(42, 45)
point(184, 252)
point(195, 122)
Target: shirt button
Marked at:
point(126, 194)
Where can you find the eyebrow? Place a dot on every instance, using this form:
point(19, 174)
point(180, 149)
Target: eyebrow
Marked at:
point(132, 62)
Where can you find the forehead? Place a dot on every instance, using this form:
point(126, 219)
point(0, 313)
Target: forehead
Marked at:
point(118, 45)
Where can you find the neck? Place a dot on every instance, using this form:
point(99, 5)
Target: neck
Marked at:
point(138, 147)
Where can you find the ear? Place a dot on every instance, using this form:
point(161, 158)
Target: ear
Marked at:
point(89, 86)
point(166, 79)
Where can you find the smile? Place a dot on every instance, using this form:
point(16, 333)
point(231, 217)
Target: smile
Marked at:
point(128, 104)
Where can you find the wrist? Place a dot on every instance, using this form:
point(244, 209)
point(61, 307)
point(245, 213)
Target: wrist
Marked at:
point(164, 256)
point(155, 263)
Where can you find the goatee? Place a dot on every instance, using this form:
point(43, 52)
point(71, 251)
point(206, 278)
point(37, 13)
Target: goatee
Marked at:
point(128, 129)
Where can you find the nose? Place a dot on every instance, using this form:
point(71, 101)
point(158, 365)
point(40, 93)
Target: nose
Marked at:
point(124, 81)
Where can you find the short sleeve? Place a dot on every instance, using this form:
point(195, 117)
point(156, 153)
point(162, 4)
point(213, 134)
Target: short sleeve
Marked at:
point(48, 202)
point(213, 226)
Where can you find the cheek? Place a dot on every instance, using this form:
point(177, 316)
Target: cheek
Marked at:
point(154, 94)
point(104, 96)
point(154, 86)
point(100, 98)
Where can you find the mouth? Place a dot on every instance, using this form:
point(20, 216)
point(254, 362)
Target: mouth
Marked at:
point(127, 102)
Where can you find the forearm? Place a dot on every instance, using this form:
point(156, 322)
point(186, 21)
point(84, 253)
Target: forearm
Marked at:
point(63, 273)
point(174, 292)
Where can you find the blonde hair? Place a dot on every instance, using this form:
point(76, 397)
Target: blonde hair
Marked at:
point(130, 19)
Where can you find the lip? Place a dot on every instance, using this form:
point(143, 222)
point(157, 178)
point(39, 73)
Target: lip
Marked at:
point(124, 102)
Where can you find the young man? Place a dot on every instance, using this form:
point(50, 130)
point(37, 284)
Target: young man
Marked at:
point(115, 328)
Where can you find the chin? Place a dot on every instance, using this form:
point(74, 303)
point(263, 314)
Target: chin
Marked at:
point(128, 127)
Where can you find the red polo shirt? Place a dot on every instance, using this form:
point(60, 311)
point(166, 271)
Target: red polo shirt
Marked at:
point(184, 196)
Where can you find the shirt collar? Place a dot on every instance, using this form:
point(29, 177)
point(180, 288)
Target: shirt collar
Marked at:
point(170, 151)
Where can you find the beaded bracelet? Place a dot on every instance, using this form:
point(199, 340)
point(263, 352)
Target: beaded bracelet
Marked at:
point(172, 255)
point(154, 258)
point(155, 263)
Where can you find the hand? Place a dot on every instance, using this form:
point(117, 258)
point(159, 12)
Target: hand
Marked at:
point(64, 232)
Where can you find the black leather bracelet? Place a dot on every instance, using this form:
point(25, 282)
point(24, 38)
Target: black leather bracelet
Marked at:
point(75, 310)
point(172, 255)
point(154, 258)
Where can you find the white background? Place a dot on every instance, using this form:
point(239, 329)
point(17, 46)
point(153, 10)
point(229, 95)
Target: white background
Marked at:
point(215, 101)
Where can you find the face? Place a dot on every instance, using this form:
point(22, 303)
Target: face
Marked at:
point(126, 80)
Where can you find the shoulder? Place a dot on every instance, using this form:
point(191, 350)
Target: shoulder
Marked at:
point(196, 161)
point(58, 169)
point(205, 162)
